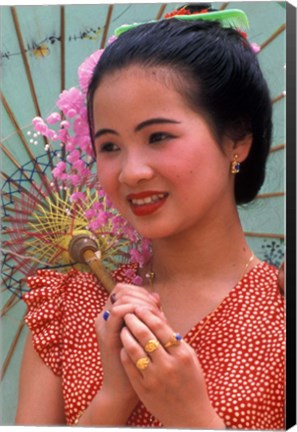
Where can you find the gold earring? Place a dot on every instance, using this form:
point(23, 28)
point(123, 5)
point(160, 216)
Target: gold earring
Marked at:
point(235, 165)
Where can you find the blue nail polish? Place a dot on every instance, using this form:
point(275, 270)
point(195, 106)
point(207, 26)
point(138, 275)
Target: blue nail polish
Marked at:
point(106, 315)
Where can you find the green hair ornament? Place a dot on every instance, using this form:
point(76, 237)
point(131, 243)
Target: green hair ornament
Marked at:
point(228, 18)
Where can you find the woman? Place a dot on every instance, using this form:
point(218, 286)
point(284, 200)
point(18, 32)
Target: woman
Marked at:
point(180, 117)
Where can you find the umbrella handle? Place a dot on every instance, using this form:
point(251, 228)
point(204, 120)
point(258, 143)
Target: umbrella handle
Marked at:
point(82, 248)
point(98, 269)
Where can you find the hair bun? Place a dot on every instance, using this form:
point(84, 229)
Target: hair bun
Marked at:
point(194, 8)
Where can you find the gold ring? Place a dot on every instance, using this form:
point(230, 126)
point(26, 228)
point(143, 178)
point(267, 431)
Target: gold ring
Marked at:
point(174, 340)
point(142, 363)
point(151, 345)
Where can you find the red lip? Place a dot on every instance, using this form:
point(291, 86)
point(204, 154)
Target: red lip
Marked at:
point(148, 208)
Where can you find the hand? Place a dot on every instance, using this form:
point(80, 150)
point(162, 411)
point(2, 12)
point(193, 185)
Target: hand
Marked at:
point(172, 387)
point(123, 300)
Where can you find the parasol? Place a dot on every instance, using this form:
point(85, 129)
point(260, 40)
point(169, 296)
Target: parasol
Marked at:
point(42, 48)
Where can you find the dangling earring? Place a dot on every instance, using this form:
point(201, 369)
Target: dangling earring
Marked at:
point(235, 165)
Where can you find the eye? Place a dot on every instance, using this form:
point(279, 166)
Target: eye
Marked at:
point(108, 147)
point(159, 136)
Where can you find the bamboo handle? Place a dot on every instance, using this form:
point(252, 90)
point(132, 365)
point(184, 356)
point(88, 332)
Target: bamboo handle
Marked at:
point(82, 248)
point(98, 269)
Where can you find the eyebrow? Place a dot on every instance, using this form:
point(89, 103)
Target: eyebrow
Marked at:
point(142, 125)
point(159, 120)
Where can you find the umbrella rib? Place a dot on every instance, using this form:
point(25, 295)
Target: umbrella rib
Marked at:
point(62, 61)
point(62, 29)
point(161, 11)
point(270, 195)
point(19, 187)
point(106, 27)
point(24, 142)
point(15, 124)
point(268, 235)
point(25, 60)
point(28, 71)
point(18, 166)
point(273, 36)
point(12, 348)
point(277, 148)
point(8, 305)
point(279, 97)
point(224, 5)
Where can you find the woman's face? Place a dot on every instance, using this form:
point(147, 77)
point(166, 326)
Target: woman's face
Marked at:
point(157, 159)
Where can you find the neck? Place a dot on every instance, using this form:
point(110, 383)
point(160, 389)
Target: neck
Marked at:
point(202, 255)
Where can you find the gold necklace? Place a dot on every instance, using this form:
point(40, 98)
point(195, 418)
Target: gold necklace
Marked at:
point(151, 275)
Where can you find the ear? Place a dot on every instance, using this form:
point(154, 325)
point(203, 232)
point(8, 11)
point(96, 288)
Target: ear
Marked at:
point(241, 147)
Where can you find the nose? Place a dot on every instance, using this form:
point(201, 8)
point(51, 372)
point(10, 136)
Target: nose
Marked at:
point(135, 169)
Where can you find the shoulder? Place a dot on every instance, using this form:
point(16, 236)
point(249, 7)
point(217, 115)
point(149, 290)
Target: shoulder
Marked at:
point(263, 300)
point(263, 278)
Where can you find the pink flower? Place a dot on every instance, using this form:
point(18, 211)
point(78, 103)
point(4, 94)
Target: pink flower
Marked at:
point(112, 39)
point(59, 171)
point(75, 179)
point(73, 156)
point(40, 126)
point(85, 70)
point(90, 214)
point(255, 47)
point(77, 196)
point(137, 280)
point(71, 101)
point(65, 124)
point(100, 220)
point(53, 118)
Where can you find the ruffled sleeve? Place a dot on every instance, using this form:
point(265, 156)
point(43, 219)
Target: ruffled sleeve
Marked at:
point(62, 307)
point(44, 316)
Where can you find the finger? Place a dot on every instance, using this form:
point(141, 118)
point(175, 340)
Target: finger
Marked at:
point(159, 327)
point(133, 356)
point(122, 290)
point(113, 319)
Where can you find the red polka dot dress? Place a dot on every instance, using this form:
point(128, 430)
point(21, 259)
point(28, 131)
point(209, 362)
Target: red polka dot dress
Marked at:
point(241, 347)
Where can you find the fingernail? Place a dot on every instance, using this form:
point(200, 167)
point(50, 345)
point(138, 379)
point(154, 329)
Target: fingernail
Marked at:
point(106, 315)
point(113, 298)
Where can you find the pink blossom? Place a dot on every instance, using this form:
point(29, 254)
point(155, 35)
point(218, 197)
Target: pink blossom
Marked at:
point(40, 126)
point(77, 196)
point(53, 118)
point(52, 134)
point(65, 124)
point(137, 280)
point(75, 179)
point(255, 47)
point(70, 144)
point(73, 156)
point(90, 214)
point(100, 221)
point(112, 39)
point(136, 256)
point(85, 70)
point(63, 135)
point(71, 101)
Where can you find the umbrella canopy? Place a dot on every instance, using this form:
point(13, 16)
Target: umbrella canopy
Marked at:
point(42, 47)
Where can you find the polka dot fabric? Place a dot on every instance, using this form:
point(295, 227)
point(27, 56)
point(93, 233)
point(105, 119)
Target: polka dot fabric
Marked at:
point(241, 347)
point(61, 316)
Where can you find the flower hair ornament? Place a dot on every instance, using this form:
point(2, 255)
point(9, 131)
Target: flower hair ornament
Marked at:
point(84, 217)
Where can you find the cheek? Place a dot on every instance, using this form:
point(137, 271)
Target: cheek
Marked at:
point(106, 178)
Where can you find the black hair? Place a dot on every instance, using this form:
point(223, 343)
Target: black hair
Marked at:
point(219, 74)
